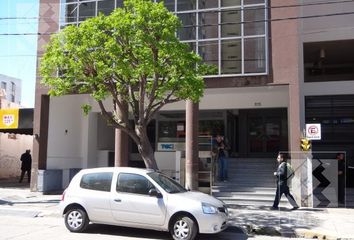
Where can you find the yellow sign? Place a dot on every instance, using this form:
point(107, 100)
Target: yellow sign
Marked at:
point(8, 118)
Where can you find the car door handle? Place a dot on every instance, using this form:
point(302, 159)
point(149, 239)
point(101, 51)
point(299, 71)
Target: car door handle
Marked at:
point(117, 200)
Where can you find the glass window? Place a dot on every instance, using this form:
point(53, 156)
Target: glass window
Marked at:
point(68, 1)
point(167, 130)
point(4, 85)
point(133, 183)
point(255, 18)
point(70, 13)
point(87, 10)
point(169, 4)
point(185, 5)
point(188, 31)
point(97, 181)
point(120, 3)
point(208, 27)
point(105, 7)
point(230, 3)
point(231, 56)
point(166, 183)
point(247, 2)
point(255, 60)
point(230, 23)
point(192, 46)
point(208, 4)
point(209, 52)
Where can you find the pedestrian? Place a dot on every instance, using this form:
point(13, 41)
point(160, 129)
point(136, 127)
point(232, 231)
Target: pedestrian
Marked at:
point(341, 177)
point(282, 183)
point(221, 149)
point(26, 165)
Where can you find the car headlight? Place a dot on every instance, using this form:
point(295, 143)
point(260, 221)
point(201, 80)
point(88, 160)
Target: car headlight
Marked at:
point(209, 209)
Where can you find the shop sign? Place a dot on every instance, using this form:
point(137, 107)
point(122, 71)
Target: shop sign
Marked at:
point(9, 118)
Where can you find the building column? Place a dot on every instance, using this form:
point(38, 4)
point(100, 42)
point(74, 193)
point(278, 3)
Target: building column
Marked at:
point(302, 183)
point(192, 158)
point(121, 153)
point(40, 142)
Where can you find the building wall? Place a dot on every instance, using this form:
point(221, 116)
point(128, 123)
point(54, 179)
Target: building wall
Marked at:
point(11, 148)
point(65, 136)
point(330, 28)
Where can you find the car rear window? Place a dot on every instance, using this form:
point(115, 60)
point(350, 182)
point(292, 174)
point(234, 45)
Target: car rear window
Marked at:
point(97, 181)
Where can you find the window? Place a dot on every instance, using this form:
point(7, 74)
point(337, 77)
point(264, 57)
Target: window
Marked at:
point(3, 85)
point(231, 56)
point(97, 181)
point(208, 26)
point(13, 92)
point(185, 5)
point(230, 23)
point(188, 31)
point(208, 4)
point(105, 7)
point(133, 183)
point(87, 10)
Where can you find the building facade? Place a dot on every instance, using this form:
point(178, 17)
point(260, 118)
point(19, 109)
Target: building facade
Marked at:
point(280, 65)
point(10, 90)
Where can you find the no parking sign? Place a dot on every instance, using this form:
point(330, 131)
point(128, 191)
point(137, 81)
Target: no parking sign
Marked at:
point(313, 131)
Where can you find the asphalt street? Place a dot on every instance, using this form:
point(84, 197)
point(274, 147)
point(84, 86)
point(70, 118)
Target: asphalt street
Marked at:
point(17, 227)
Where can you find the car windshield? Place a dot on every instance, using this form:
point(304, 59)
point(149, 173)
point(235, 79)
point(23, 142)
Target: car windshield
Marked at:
point(167, 183)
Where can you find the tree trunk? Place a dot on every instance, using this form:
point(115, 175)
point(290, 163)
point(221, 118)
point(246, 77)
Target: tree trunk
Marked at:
point(145, 149)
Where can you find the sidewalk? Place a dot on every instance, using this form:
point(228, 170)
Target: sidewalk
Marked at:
point(17, 199)
point(325, 223)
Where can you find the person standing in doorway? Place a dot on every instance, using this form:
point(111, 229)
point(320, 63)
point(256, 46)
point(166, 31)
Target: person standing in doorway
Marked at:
point(341, 177)
point(26, 165)
point(221, 149)
point(282, 183)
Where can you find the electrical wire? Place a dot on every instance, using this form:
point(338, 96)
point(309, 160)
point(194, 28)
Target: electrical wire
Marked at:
point(209, 25)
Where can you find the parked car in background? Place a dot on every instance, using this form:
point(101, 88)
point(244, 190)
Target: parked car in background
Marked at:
point(140, 198)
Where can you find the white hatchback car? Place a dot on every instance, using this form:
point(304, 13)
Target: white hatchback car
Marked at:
point(140, 198)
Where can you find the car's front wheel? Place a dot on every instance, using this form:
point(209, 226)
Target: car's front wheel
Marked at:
point(184, 228)
point(76, 220)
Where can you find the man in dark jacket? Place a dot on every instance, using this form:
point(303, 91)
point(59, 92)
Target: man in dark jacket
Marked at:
point(282, 183)
point(26, 165)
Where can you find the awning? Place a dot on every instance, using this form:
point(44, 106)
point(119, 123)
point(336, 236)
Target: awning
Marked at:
point(16, 120)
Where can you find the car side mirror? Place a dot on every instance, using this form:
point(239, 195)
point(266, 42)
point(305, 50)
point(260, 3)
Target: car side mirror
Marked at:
point(154, 193)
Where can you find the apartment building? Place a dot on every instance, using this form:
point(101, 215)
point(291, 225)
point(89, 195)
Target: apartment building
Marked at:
point(280, 65)
point(10, 89)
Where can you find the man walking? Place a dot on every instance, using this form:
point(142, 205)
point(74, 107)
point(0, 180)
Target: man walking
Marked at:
point(26, 165)
point(282, 183)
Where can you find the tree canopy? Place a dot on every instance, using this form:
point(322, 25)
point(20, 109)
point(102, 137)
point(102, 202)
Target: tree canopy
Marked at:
point(132, 57)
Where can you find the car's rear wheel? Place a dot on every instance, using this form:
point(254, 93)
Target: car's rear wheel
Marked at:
point(76, 220)
point(184, 228)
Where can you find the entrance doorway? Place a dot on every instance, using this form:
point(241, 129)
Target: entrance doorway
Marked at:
point(263, 132)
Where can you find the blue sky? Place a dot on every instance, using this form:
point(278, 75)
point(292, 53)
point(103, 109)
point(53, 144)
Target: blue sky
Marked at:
point(18, 53)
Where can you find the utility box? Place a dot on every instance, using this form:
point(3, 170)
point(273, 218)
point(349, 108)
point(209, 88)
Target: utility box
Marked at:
point(50, 180)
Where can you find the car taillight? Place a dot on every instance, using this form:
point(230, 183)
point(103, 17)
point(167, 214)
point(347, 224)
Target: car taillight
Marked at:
point(63, 196)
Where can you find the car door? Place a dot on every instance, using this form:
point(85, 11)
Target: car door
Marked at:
point(96, 194)
point(132, 204)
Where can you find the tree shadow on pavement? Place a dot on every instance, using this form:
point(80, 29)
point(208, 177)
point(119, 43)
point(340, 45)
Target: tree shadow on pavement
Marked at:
point(284, 222)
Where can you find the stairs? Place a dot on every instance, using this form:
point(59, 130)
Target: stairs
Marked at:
point(251, 183)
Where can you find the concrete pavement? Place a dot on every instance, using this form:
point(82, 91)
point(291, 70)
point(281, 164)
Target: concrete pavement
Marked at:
point(326, 223)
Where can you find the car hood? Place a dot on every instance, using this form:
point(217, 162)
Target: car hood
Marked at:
point(201, 197)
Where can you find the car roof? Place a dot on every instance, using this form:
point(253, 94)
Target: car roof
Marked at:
point(117, 169)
